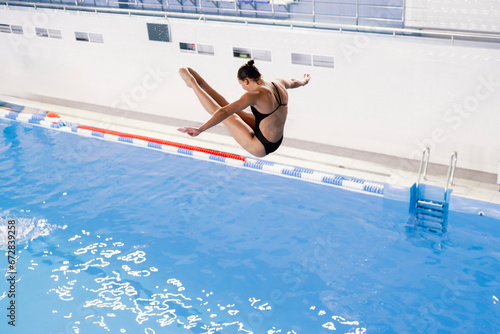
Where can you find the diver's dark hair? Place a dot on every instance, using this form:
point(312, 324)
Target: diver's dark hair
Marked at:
point(249, 71)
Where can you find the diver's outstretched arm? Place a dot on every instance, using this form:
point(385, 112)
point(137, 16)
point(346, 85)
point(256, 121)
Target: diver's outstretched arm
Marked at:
point(295, 83)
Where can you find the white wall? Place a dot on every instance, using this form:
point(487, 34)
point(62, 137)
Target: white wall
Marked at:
point(386, 95)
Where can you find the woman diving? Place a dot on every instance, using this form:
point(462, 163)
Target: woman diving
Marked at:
point(259, 132)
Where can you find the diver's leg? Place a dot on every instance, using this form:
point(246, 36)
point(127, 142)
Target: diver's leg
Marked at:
point(238, 128)
point(247, 117)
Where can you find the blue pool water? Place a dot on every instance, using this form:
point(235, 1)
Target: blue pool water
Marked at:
point(113, 238)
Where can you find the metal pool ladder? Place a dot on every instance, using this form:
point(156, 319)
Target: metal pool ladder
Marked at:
point(428, 206)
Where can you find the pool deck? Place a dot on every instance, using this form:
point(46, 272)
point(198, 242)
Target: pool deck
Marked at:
point(395, 171)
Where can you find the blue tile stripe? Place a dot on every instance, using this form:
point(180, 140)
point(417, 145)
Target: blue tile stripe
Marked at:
point(249, 163)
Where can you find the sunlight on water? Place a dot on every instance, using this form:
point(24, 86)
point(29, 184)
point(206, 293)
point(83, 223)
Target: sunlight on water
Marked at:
point(330, 325)
point(121, 294)
point(118, 294)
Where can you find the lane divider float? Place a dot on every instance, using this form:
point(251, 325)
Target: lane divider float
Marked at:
point(53, 121)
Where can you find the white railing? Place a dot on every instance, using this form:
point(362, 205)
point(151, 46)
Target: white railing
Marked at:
point(279, 17)
point(424, 162)
point(326, 11)
point(451, 175)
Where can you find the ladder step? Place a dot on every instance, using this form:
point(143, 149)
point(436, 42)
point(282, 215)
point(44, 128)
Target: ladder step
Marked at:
point(428, 203)
point(430, 225)
point(430, 218)
point(430, 211)
point(430, 207)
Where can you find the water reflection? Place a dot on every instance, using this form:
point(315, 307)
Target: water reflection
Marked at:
point(120, 292)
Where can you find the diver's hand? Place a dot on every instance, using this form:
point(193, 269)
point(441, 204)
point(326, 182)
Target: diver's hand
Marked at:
point(307, 78)
point(193, 132)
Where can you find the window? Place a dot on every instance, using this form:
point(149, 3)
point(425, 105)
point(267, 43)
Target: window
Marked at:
point(323, 61)
point(82, 36)
point(202, 49)
point(312, 60)
point(158, 32)
point(53, 33)
point(5, 28)
point(264, 55)
point(242, 53)
point(17, 30)
point(301, 59)
point(261, 55)
point(96, 38)
point(88, 37)
point(41, 32)
point(187, 47)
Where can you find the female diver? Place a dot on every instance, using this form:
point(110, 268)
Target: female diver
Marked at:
point(259, 132)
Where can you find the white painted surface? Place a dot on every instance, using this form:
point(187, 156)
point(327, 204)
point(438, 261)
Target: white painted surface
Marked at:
point(386, 95)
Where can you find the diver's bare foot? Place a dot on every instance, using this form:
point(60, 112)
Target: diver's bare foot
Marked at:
point(187, 77)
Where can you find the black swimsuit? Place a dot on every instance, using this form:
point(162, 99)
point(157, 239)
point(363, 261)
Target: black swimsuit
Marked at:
point(268, 146)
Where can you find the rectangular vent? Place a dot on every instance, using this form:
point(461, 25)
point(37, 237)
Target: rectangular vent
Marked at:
point(81, 36)
point(41, 32)
point(5, 28)
point(322, 61)
point(158, 32)
point(53, 33)
point(241, 53)
point(17, 30)
point(301, 59)
point(187, 47)
point(263, 55)
point(96, 38)
point(204, 49)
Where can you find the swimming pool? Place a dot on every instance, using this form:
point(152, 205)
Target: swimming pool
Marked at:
point(120, 239)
